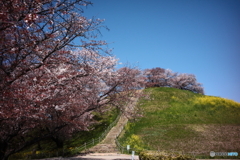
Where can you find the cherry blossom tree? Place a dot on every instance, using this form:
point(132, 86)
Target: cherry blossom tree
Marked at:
point(169, 75)
point(155, 77)
point(158, 77)
point(47, 86)
point(31, 31)
point(58, 98)
point(187, 82)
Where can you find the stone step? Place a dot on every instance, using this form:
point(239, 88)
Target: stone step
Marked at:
point(108, 145)
point(104, 148)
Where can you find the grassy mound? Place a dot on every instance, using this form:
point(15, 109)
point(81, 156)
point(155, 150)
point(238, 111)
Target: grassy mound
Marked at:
point(184, 121)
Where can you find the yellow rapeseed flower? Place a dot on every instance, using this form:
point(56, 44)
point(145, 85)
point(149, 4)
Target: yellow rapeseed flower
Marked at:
point(215, 101)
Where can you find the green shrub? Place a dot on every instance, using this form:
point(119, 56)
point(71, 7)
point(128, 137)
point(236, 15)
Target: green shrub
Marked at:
point(135, 142)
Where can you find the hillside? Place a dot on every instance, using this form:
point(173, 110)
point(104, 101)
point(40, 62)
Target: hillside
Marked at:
point(184, 121)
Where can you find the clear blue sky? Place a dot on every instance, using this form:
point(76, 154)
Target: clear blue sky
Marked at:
point(201, 37)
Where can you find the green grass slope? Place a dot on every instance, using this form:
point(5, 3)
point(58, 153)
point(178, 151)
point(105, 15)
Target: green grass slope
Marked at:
point(184, 121)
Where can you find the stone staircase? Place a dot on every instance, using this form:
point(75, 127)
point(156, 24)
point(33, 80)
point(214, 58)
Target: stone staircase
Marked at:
point(108, 145)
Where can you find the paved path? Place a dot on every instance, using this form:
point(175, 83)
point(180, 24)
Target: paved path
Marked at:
point(105, 156)
point(110, 157)
point(98, 157)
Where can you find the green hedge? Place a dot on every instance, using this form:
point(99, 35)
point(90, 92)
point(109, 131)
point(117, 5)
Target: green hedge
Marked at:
point(154, 155)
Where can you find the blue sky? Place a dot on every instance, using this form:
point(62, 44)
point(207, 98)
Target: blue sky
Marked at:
point(200, 37)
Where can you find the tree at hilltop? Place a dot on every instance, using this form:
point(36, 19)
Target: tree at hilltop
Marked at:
point(159, 77)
